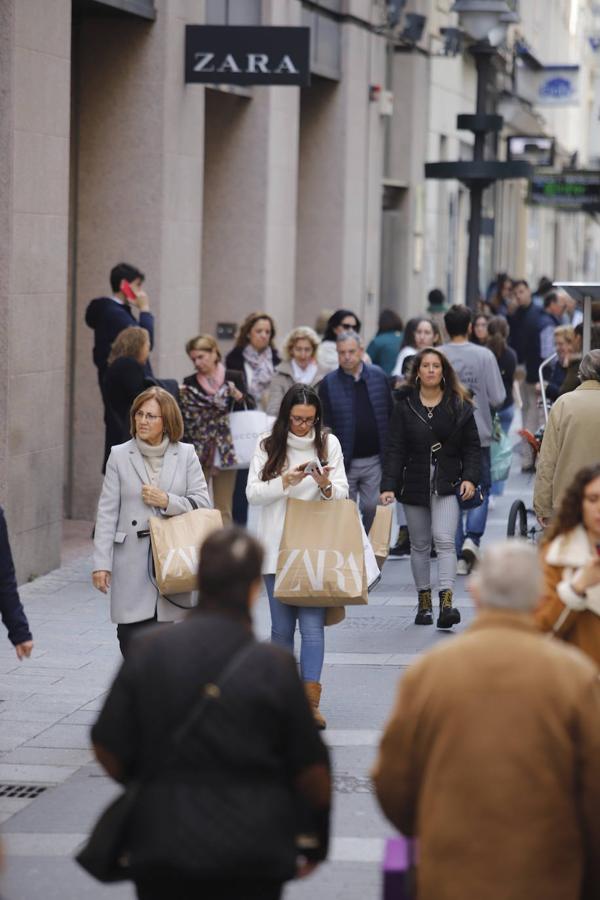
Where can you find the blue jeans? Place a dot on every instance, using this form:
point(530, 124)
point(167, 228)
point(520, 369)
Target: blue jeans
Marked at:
point(506, 416)
point(476, 518)
point(311, 621)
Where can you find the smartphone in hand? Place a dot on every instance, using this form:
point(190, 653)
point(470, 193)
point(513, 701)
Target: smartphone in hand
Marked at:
point(126, 289)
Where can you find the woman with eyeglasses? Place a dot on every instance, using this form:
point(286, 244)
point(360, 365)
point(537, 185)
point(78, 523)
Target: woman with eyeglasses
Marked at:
point(153, 474)
point(276, 473)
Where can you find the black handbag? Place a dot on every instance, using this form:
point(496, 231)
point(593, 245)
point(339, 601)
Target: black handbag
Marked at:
point(105, 856)
point(475, 501)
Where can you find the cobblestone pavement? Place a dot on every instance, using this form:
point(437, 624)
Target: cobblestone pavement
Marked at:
point(48, 703)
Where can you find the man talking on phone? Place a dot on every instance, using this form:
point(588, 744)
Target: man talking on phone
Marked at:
point(109, 316)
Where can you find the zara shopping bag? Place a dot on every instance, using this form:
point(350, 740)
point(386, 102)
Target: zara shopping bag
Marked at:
point(381, 532)
point(321, 558)
point(175, 544)
point(246, 427)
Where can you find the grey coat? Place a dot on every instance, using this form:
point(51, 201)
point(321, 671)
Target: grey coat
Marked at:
point(283, 380)
point(122, 513)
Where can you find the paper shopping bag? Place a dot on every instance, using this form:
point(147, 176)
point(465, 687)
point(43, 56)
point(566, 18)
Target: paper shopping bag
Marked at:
point(381, 532)
point(321, 558)
point(175, 544)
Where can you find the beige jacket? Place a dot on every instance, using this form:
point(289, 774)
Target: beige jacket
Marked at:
point(491, 759)
point(571, 441)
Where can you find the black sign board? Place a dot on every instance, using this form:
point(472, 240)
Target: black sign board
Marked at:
point(575, 191)
point(244, 55)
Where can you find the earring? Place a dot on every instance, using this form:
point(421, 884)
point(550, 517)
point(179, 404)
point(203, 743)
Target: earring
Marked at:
point(418, 379)
point(443, 383)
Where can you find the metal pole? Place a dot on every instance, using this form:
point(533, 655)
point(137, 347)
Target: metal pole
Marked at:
point(482, 62)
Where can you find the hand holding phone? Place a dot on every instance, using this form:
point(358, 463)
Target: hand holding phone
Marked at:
point(313, 467)
point(127, 289)
point(135, 295)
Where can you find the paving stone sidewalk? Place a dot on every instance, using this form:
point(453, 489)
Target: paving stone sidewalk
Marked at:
point(48, 703)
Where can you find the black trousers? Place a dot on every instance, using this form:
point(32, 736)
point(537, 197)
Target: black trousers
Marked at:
point(178, 887)
point(126, 632)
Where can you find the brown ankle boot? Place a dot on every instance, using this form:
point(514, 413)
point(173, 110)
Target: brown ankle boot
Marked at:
point(313, 692)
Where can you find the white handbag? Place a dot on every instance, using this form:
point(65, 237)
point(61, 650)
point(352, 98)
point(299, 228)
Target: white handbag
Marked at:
point(246, 427)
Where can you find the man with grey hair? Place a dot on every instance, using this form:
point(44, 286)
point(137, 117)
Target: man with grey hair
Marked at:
point(357, 405)
point(491, 755)
point(571, 439)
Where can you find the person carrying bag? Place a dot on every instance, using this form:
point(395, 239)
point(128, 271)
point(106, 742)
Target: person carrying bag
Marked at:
point(298, 460)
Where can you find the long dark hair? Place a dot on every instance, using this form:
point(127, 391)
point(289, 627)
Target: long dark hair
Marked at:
point(570, 511)
point(453, 387)
point(275, 444)
point(409, 332)
point(498, 331)
point(389, 321)
point(336, 319)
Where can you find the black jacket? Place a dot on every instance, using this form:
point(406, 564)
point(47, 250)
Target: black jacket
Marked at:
point(224, 806)
point(123, 381)
point(235, 360)
point(239, 380)
point(524, 338)
point(11, 608)
point(108, 319)
point(408, 454)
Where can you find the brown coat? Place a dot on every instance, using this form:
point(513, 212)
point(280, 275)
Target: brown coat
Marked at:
point(492, 758)
point(580, 627)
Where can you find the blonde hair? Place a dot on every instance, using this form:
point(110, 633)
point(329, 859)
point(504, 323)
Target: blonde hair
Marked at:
point(203, 342)
point(303, 333)
point(567, 332)
point(128, 342)
point(169, 410)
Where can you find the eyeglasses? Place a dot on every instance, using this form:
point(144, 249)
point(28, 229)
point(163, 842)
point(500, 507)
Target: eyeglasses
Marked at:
point(147, 417)
point(303, 420)
point(349, 326)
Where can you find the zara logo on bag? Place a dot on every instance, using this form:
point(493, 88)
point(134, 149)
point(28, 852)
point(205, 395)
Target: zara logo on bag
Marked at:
point(179, 558)
point(313, 567)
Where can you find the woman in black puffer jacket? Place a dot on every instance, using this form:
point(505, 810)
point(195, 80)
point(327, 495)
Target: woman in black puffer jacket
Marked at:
point(432, 451)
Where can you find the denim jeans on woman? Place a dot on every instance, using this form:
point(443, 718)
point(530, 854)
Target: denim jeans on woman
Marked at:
point(311, 621)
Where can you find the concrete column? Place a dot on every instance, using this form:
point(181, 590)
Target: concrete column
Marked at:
point(139, 199)
point(339, 196)
point(34, 142)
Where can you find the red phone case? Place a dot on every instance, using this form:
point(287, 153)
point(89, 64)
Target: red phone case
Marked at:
point(127, 290)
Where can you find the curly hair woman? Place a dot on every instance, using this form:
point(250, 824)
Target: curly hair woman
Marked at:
point(571, 566)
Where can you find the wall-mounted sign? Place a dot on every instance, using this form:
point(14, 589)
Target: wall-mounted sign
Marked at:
point(549, 85)
point(244, 55)
point(539, 151)
point(575, 191)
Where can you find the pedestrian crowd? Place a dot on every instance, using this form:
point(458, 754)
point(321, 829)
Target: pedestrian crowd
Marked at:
point(232, 784)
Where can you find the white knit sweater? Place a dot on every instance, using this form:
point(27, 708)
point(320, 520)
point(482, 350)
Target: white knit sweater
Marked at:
point(271, 497)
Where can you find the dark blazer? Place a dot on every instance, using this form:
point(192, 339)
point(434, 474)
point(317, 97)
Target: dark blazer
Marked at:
point(11, 608)
point(123, 381)
point(108, 319)
point(239, 380)
point(408, 454)
point(338, 398)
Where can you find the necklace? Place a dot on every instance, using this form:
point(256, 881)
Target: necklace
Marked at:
point(429, 409)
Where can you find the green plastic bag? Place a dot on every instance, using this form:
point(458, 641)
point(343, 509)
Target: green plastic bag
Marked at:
point(500, 452)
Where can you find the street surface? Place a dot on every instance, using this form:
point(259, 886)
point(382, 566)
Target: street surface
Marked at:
point(48, 703)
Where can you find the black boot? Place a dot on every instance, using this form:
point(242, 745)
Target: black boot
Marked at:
point(448, 615)
point(402, 547)
point(425, 613)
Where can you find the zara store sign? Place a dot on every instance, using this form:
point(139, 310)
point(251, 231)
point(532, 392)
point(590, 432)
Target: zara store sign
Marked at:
point(245, 55)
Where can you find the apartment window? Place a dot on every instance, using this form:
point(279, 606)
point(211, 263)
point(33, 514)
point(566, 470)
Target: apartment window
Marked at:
point(232, 12)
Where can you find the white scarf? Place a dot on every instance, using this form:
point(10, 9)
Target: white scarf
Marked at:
point(572, 551)
point(304, 376)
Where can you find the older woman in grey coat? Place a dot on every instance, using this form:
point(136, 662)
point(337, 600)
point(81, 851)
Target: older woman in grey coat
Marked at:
point(152, 474)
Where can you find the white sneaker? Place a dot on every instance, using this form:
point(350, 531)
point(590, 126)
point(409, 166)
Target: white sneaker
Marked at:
point(462, 567)
point(470, 551)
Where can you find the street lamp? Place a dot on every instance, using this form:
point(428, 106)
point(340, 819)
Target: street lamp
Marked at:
point(486, 23)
